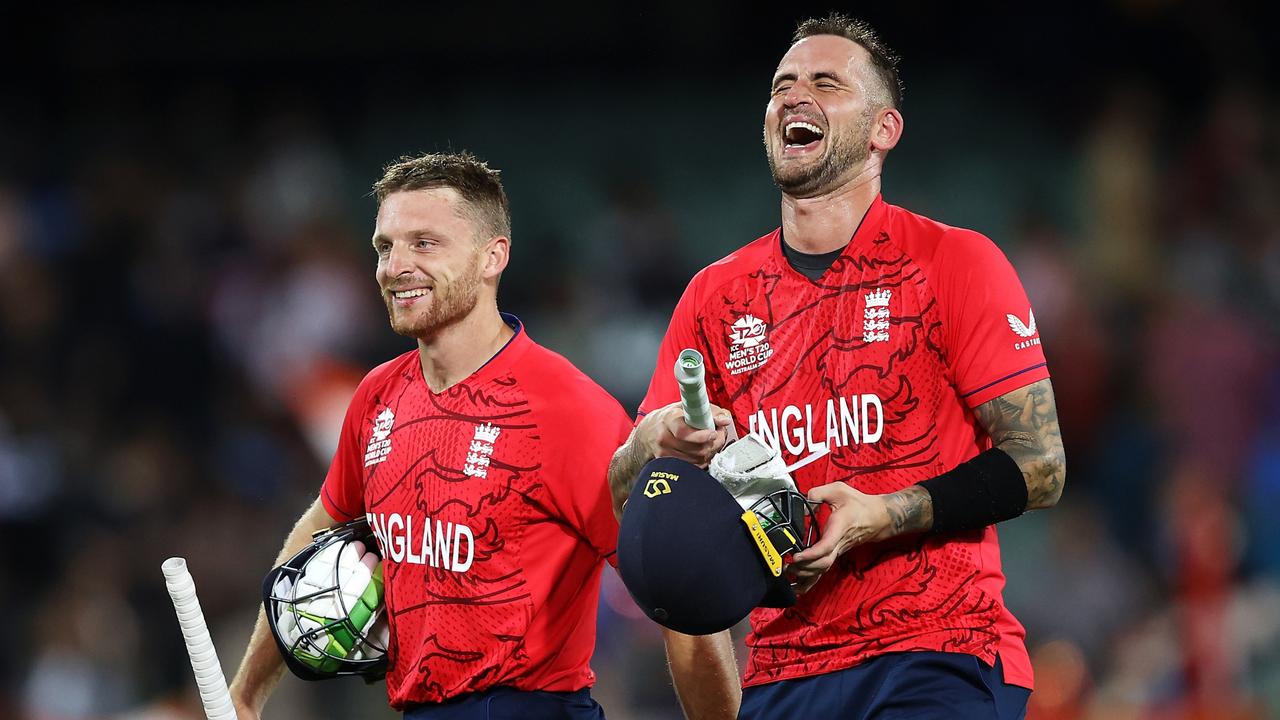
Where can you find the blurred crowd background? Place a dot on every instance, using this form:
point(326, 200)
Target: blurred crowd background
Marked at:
point(187, 299)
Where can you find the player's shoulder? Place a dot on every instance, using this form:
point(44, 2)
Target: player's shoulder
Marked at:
point(741, 262)
point(396, 370)
point(929, 241)
point(555, 383)
point(570, 408)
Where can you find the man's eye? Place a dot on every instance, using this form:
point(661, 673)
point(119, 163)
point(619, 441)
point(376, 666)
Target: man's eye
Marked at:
point(781, 89)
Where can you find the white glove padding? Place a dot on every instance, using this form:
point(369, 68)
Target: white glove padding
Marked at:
point(750, 469)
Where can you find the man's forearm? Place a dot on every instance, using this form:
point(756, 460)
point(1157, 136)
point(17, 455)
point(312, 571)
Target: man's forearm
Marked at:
point(910, 510)
point(624, 467)
point(260, 670)
point(705, 674)
point(262, 666)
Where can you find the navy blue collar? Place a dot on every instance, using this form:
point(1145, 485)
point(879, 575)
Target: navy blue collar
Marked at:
point(512, 322)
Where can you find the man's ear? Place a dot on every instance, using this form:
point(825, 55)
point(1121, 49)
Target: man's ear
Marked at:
point(497, 253)
point(886, 130)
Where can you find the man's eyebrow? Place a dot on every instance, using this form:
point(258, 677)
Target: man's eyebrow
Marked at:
point(820, 75)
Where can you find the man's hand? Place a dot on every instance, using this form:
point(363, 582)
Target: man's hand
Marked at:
point(858, 518)
point(664, 433)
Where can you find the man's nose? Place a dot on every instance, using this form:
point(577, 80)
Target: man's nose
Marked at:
point(797, 94)
point(399, 260)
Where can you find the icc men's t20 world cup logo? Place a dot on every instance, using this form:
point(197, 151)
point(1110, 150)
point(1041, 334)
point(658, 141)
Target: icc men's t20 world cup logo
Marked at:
point(748, 345)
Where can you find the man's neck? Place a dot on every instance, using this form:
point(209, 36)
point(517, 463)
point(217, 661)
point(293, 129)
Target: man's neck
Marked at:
point(455, 352)
point(827, 222)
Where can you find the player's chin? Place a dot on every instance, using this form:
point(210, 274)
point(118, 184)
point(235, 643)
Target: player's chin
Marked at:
point(414, 327)
point(798, 184)
point(800, 164)
point(796, 167)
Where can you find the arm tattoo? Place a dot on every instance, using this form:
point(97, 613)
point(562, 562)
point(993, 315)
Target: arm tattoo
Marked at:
point(910, 510)
point(1024, 423)
point(624, 467)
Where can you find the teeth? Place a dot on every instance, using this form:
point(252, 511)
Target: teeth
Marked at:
point(800, 125)
point(406, 294)
point(807, 126)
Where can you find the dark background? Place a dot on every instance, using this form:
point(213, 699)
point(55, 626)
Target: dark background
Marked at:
point(186, 298)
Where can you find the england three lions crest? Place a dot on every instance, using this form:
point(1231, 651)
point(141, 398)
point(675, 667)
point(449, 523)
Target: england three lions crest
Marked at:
point(480, 451)
point(875, 318)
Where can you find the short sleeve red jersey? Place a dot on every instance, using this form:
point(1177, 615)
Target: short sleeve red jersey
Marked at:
point(491, 506)
point(881, 359)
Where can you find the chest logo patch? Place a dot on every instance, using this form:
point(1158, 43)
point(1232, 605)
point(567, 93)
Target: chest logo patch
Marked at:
point(481, 450)
point(875, 318)
point(748, 345)
point(380, 438)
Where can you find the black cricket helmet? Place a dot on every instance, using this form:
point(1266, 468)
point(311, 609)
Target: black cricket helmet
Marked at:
point(694, 560)
point(325, 606)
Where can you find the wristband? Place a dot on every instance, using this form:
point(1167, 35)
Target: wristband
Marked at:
point(979, 492)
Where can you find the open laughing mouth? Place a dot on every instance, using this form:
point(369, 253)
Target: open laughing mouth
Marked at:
point(799, 136)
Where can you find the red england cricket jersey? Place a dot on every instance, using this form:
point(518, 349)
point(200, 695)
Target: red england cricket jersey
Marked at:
point(881, 359)
point(491, 505)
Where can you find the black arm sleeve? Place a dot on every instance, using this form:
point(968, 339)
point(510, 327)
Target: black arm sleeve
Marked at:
point(977, 493)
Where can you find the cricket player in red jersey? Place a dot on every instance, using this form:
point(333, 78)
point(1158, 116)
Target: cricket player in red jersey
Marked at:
point(909, 350)
point(479, 461)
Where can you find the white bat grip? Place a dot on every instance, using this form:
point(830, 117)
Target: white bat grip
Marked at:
point(204, 659)
point(691, 377)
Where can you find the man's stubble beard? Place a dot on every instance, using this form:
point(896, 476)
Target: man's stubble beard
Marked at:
point(447, 308)
point(842, 153)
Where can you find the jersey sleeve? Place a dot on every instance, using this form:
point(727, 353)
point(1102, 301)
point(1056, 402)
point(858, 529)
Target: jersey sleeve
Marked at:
point(681, 334)
point(342, 493)
point(990, 332)
point(578, 450)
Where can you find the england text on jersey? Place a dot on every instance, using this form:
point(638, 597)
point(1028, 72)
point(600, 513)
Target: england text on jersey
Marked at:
point(411, 539)
point(843, 421)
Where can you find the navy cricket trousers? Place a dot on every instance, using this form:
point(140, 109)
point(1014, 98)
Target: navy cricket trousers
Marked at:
point(504, 703)
point(915, 685)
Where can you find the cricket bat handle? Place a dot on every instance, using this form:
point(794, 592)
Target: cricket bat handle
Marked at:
point(691, 377)
point(204, 659)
